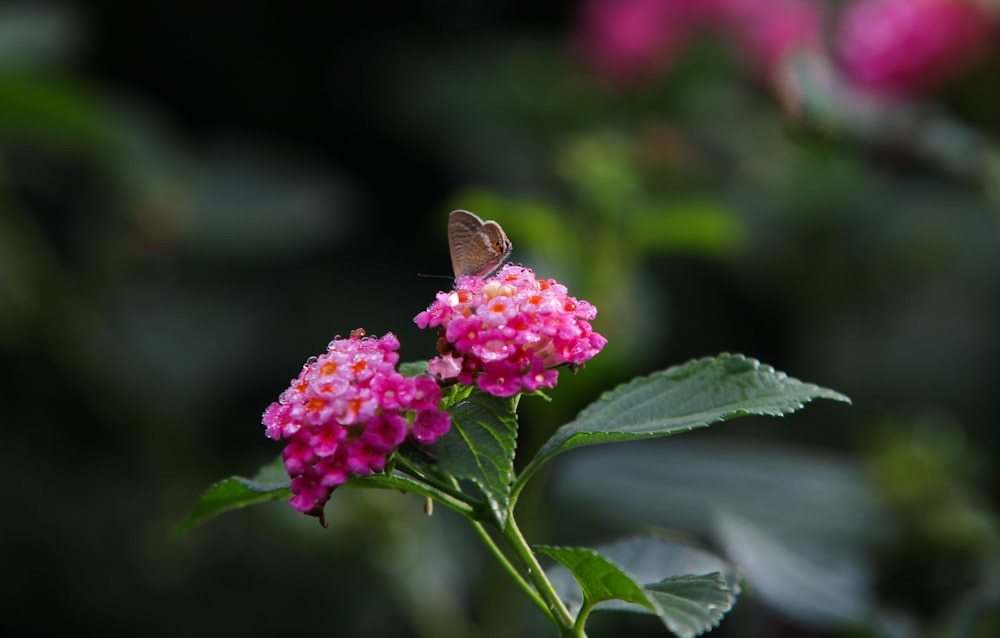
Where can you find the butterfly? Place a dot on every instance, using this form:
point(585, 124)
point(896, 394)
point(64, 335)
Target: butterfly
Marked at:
point(477, 247)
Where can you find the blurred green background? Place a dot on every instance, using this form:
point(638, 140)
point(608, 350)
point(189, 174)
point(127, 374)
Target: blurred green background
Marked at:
point(196, 197)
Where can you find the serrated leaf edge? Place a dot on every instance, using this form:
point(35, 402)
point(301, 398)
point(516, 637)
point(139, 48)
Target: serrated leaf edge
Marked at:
point(550, 449)
point(655, 607)
point(720, 359)
point(721, 587)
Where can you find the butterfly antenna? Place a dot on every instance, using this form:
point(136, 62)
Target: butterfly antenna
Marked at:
point(420, 274)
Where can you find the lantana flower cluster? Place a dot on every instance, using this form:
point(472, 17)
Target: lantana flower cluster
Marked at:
point(346, 412)
point(508, 332)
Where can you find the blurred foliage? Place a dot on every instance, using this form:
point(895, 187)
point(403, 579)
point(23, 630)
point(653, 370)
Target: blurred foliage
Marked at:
point(190, 206)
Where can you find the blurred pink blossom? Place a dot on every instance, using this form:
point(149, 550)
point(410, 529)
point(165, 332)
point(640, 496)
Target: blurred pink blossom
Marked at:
point(908, 47)
point(767, 31)
point(630, 41)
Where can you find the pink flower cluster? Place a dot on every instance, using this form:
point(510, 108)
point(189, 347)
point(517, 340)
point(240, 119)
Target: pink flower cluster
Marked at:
point(506, 333)
point(904, 47)
point(346, 412)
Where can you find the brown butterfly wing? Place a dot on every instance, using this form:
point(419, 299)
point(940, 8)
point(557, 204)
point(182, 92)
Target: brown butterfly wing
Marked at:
point(495, 248)
point(477, 247)
point(463, 227)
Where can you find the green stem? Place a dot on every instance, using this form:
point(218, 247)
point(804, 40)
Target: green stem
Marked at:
point(504, 561)
point(581, 621)
point(519, 546)
point(512, 570)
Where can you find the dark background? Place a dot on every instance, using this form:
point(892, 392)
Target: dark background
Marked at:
point(195, 197)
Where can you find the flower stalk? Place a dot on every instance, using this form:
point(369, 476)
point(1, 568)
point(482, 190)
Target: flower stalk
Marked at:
point(554, 606)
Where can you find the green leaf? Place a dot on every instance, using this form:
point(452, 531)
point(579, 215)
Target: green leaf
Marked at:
point(687, 604)
point(398, 481)
point(235, 492)
point(271, 484)
point(480, 447)
point(599, 578)
point(818, 497)
point(696, 227)
point(412, 368)
point(60, 111)
point(810, 584)
point(694, 395)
